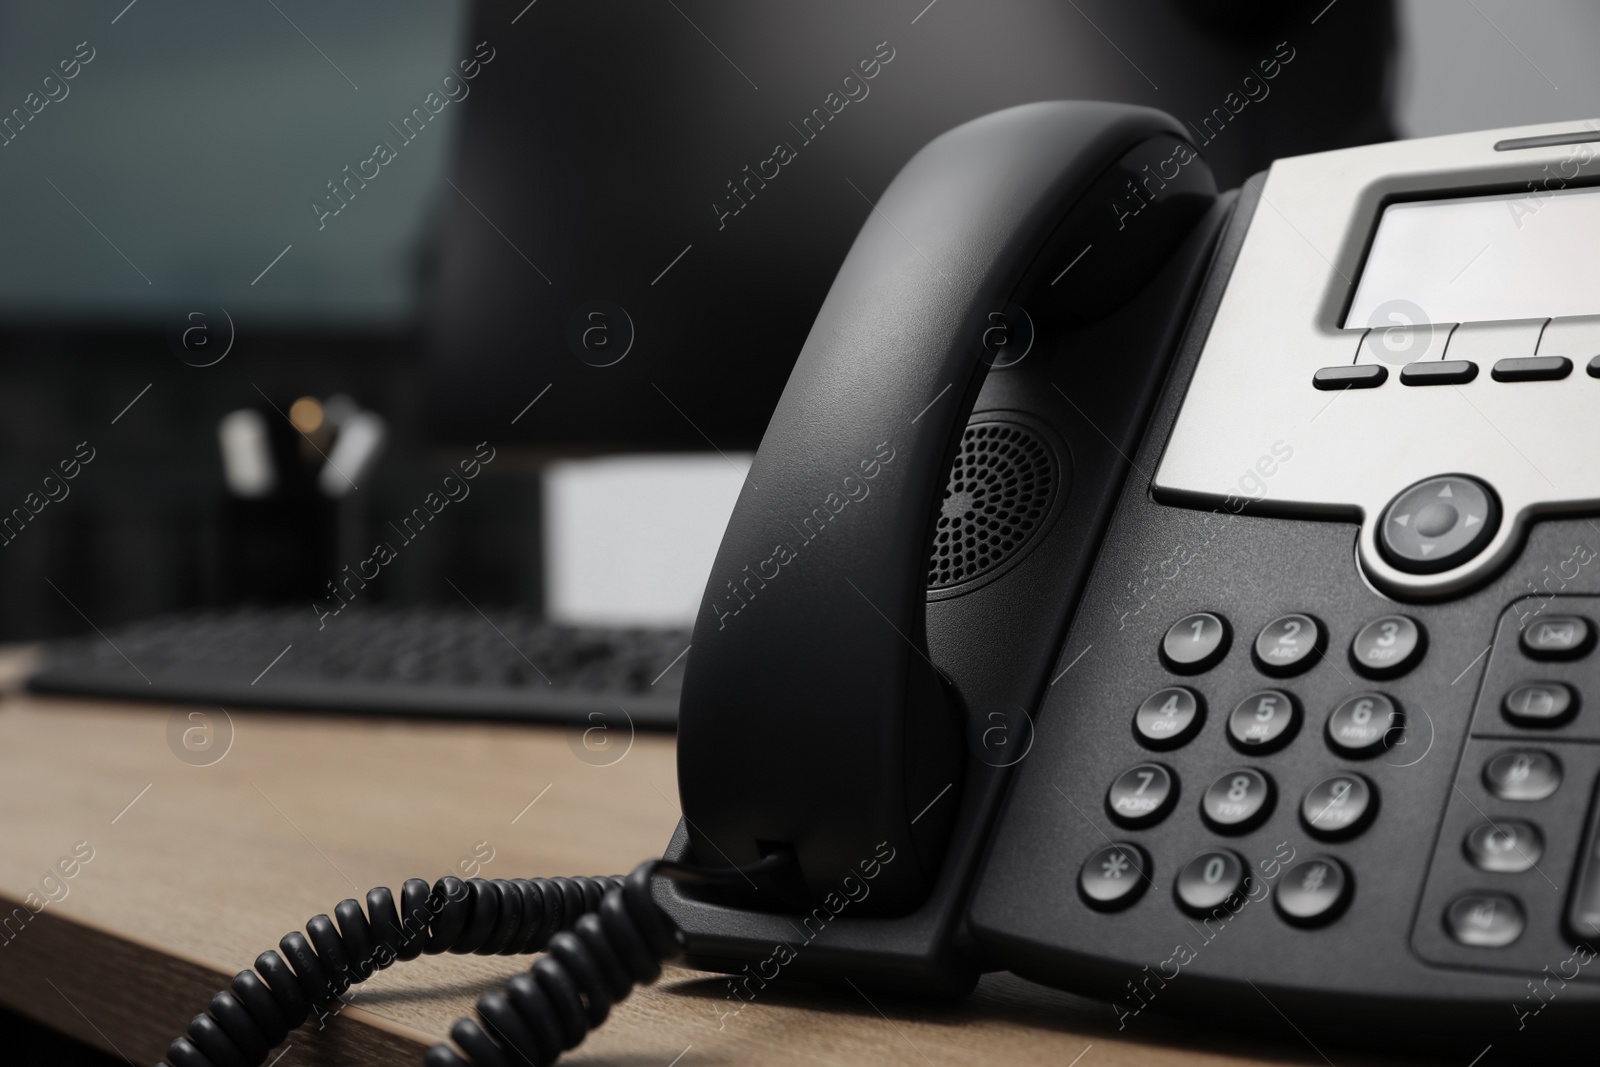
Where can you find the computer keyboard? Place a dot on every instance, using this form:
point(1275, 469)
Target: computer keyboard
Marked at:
point(433, 662)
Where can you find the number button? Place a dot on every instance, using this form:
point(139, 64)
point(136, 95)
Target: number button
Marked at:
point(1211, 880)
point(1114, 877)
point(1237, 802)
point(1504, 846)
point(1522, 774)
point(1264, 721)
point(1558, 637)
point(1195, 643)
point(1388, 646)
point(1313, 891)
point(1540, 705)
point(1339, 807)
point(1169, 718)
point(1142, 795)
point(1365, 725)
point(1485, 920)
point(1289, 645)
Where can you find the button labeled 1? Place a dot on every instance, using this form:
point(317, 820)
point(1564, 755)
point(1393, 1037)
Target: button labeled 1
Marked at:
point(1195, 643)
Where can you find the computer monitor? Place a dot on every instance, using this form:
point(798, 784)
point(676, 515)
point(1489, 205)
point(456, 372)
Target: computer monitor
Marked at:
point(651, 200)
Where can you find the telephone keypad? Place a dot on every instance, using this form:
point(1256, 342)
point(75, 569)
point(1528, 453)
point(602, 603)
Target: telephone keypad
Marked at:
point(1195, 643)
point(1504, 846)
point(1264, 721)
point(1313, 891)
point(1238, 801)
point(1365, 725)
point(1339, 807)
point(1540, 704)
point(1169, 718)
point(1142, 795)
point(1485, 920)
point(1558, 637)
point(1525, 774)
point(1115, 876)
point(1216, 878)
point(1388, 646)
point(1288, 645)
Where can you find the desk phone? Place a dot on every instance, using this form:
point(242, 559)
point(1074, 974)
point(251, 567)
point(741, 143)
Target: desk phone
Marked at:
point(1181, 598)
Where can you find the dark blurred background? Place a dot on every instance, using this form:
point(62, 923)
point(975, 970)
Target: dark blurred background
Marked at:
point(579, 171)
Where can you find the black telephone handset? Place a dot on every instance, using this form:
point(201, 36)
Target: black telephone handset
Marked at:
point(813, 717)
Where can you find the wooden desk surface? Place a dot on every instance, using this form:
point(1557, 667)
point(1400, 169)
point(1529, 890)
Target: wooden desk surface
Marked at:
point(197, 869)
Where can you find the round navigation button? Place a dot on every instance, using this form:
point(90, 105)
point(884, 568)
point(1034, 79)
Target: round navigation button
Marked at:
point(1313, 891)
point(1540, 705)
point(1485, 920)
point(1504, 846)
point(1438, 524)
point(1339, 807)
point(1289, 645)
point(1365, 725)
point(1169, 718)
point(1522, 774)
point(1238, 801)
point(1195, 643)
point(1388, 646)
point(1264, 721)
point(1213, 879)
point(1558, 637)
point(1114, 876)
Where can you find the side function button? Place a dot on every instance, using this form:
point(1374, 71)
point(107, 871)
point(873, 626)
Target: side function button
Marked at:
point(1583, 909)
point(1540, 705)
point(1594, 367)
point(1531, 369)
point(1142, 795)
point(1313, 891)
point(1351, 376)
point(1484, 920)
point(1504, 846)
point(1211, 880)
point(1558, 637)
point(1438, 524)
point(1439, 372)
point(1339, 807)
point(1289, 645)
point(1114, 876)
point(1364, 725)
point(1169, 718)
point(1388, 646)
point(1237, 802)
point(1195, 643)
point(1264, 721)
point(1522, 774)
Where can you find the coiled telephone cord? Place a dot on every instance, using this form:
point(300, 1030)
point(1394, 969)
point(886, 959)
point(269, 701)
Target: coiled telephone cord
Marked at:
point(601, 937)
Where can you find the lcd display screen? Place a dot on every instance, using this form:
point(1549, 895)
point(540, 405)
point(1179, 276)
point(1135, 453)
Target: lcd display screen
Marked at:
point(1470, 259)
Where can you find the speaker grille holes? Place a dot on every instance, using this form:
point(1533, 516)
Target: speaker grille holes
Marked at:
point(999, 494)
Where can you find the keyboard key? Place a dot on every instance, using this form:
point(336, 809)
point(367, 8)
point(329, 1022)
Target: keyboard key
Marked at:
point(1169, 718)
point(1142, 795)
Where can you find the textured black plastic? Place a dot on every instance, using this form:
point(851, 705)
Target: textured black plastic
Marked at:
point(1092, 388)
point(1362, 978)
point(812, 716)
